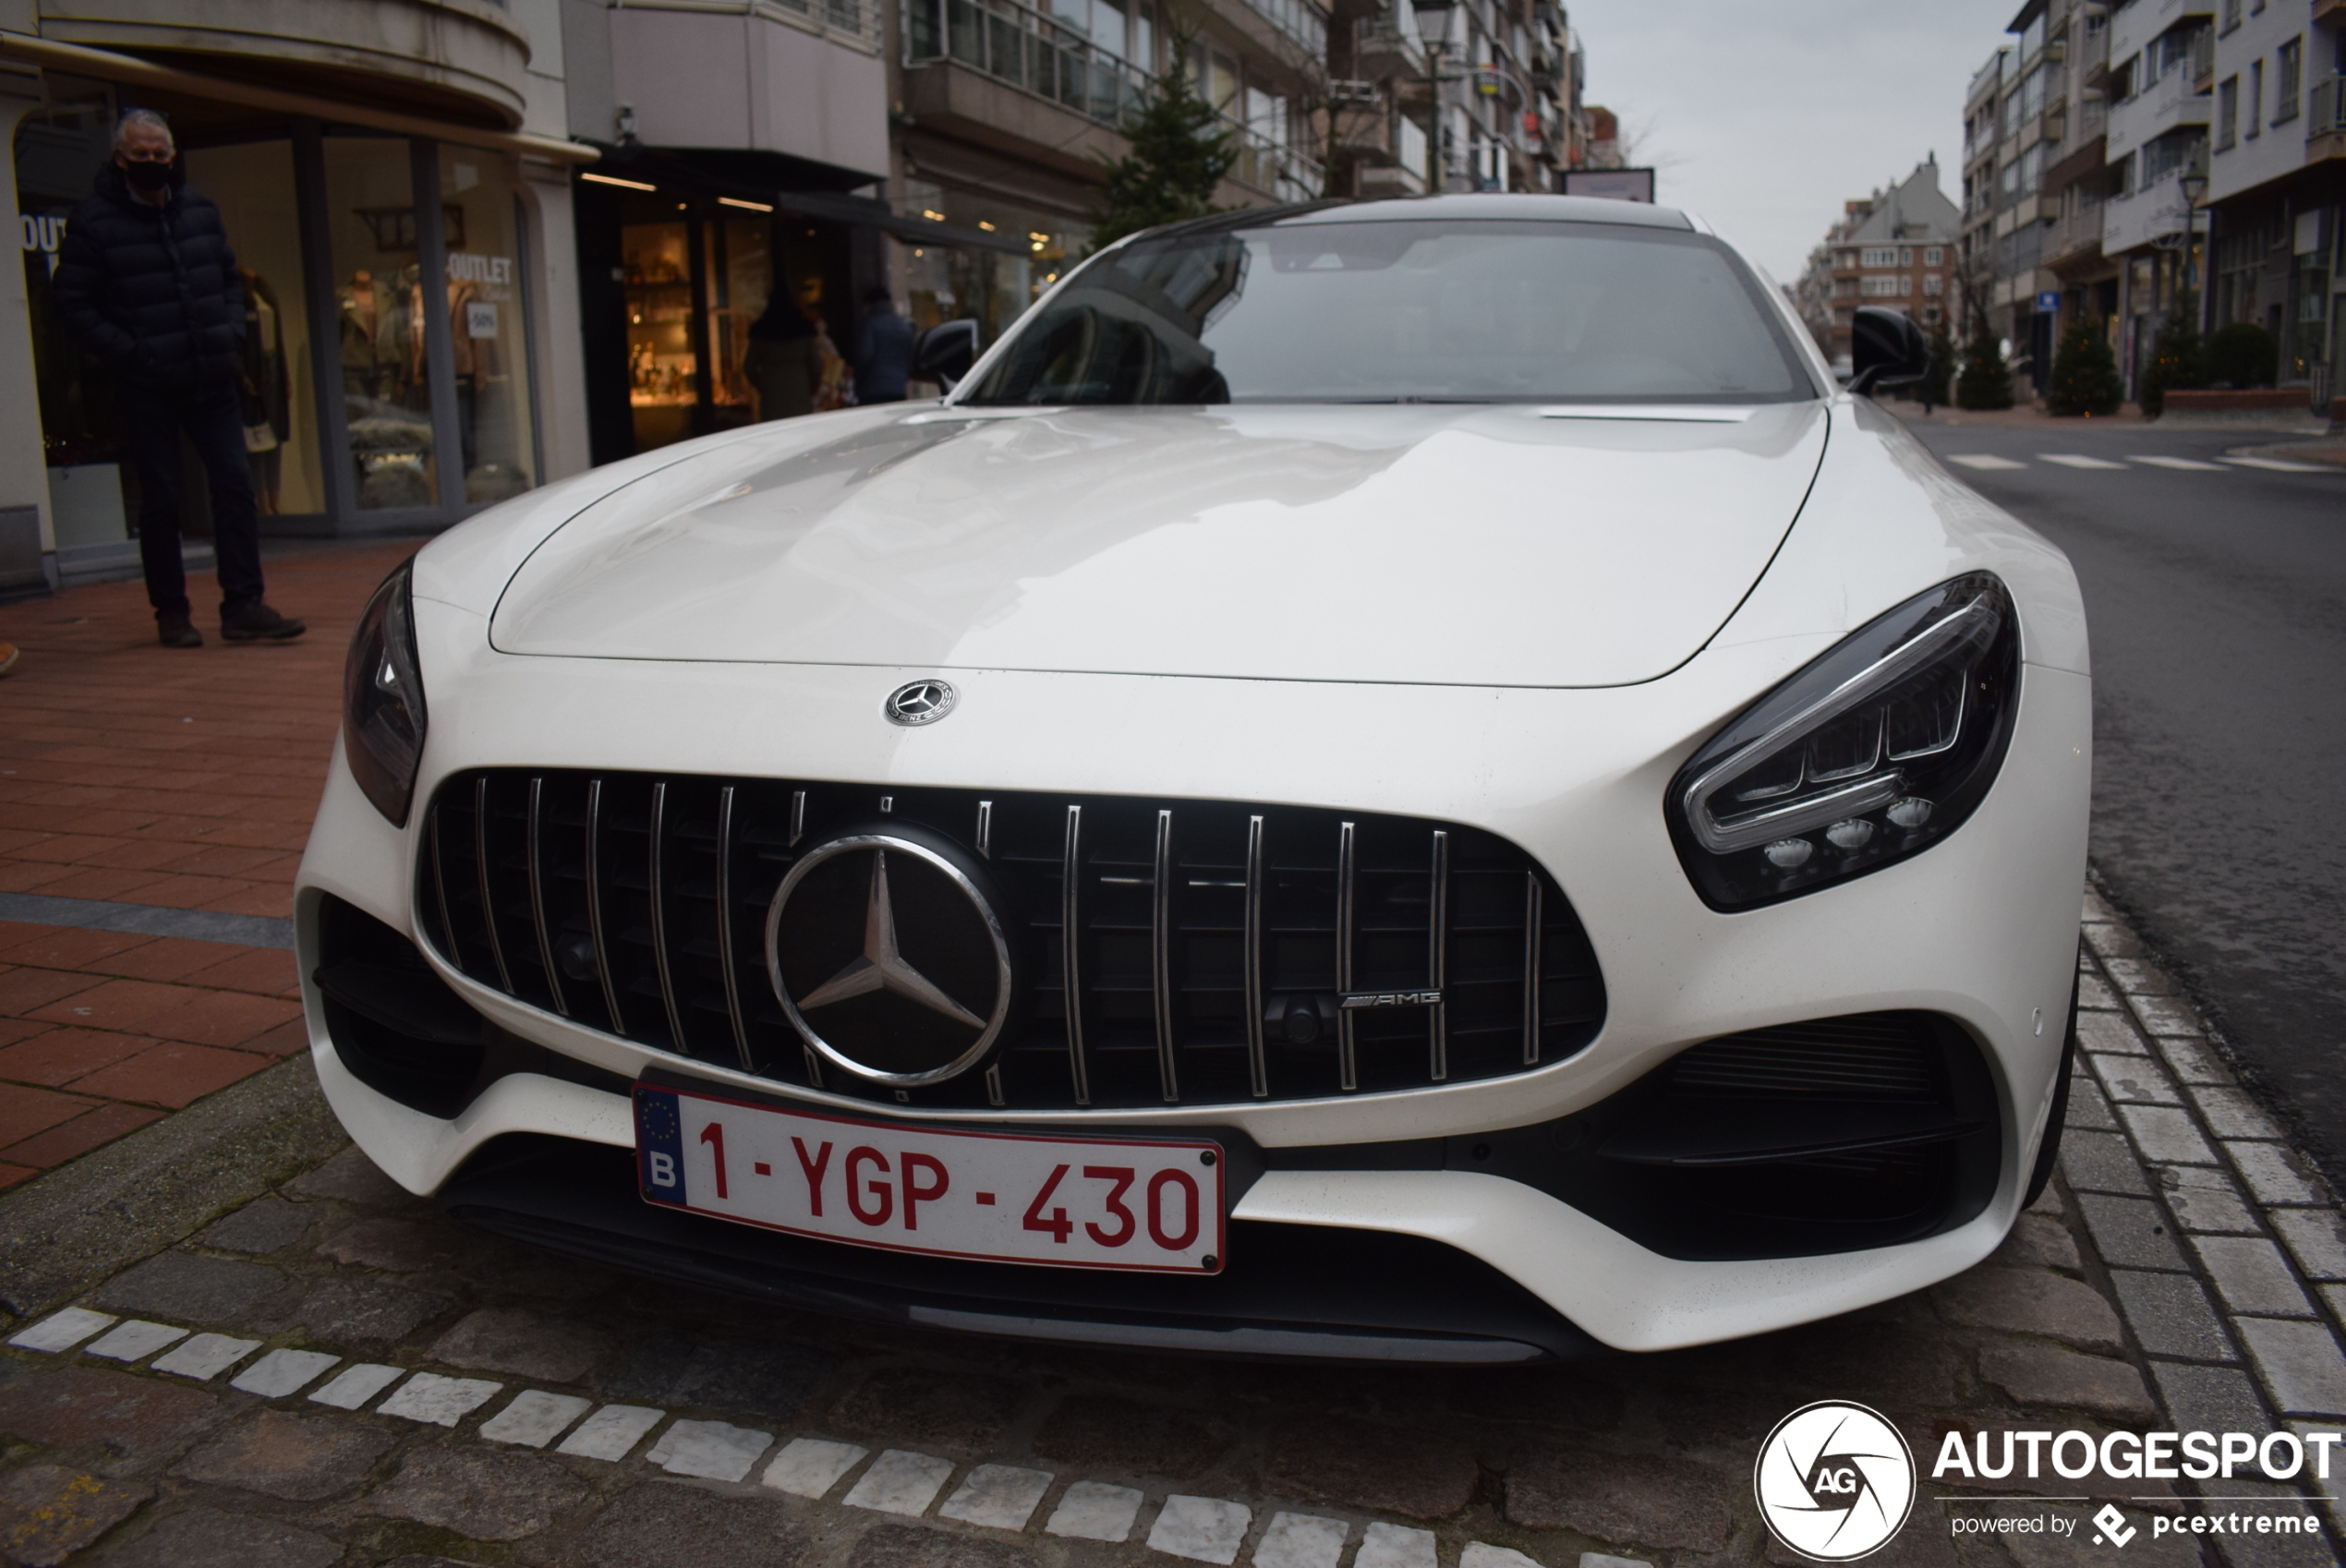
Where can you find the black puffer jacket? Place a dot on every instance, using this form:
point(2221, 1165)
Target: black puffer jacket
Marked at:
point(153, 291)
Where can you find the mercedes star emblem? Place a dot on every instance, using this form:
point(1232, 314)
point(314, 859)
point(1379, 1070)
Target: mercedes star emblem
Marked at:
point(890, 958)
point(920, 702)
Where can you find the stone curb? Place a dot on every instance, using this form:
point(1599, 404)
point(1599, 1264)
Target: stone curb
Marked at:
point(2224, 1245)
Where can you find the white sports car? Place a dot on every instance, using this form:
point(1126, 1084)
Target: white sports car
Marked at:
point(1401, 780)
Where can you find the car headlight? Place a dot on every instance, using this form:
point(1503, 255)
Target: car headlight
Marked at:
point(1873, 753)
point(382, 700)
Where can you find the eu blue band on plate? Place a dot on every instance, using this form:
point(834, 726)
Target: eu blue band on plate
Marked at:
point(660, 1145)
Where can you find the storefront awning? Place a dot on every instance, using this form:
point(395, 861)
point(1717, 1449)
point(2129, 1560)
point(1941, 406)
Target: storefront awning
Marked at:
point(109, 66)
point(917, 230)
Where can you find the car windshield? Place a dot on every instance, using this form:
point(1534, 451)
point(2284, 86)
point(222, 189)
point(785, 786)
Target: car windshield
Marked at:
point(1405, 311)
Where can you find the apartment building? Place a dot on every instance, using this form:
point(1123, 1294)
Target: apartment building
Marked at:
point(1897, 248)
point(396, 178)
point(2075, 135)
point(1459, 95)
point(2159, 83)
point(2277, 180)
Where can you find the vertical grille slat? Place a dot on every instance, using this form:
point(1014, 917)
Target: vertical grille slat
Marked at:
point(1173, 952)
point(538, 894)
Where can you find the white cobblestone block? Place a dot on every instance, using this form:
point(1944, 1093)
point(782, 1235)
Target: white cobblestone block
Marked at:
point(1301, 1540)
point(2212, 1210)
point(2317, 1238)
point(1395, 1546)
point(1002, 1497)
point(2232, 1114)
point(133, 1340)
point(811, 1467)
point(901, 1481)
point(2109, 1034)
point(1477, 1555)
point(609, 1433)
point(535, 1418)
point(2251, 1276)
point(1095, 1511)
point(2299, 1365)
point(1600, 1560)
point(282, 1372)
point(2273, 1173)
point(62, 1330)
point(714, 1450)
point(437, 1401)
point(2193, 1061)
point(1204, 1529)
point(2135, 1080)
point(353, 1386)
point(2093, 995)
point(2136, 976)
point(2166, 1136)
point(2166, 1015)
point(204, 1356)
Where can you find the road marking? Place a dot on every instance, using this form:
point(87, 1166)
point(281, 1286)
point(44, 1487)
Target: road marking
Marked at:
point(535, 1418)
point(443, 1402)
point(2280, 465)
point(1983, 460)
point(1095, 1511)
point(1395, 1546)
point(62, 1330)
point(353, 1386)
point(901, 1481)
point(609, 1433)
point(134, 1339)
point(714, 1450)
point(282, 1372)
point(1301, 1540)
point(206, 1355)
point(2190, 464)
point(1002, 1497)
point(810, 1466)
point(1204, 1529)
point(2072, 459)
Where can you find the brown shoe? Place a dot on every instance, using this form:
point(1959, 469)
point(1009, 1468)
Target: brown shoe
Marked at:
point(254, 622)
point(178, 631)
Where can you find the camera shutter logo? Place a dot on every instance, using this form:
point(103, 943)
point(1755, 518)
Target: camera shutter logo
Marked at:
point(1835, 1482)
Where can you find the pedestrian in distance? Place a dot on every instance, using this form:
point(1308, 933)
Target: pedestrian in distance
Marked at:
point(783, 361)
point(883, 350)
point(147, 282)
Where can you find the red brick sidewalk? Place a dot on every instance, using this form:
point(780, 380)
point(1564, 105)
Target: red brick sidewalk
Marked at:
point(136, 773)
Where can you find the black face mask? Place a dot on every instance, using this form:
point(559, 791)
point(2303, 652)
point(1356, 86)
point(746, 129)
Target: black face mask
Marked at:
point(146, 178)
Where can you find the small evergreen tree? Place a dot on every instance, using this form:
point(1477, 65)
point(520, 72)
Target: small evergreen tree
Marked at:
point(1986, 381)
point(2177, 357)
point(2243, 355)
point(1178, 158)
point(2085, 372)
point(1934, 386)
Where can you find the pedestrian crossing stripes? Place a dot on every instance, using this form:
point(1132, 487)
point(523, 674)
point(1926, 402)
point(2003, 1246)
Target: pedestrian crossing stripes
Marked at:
point(1989, 463)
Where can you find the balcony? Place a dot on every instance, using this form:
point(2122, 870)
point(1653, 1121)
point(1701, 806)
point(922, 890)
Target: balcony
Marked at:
point(1387, 48)
point(2074, 239)
point(2159, 108)
point(2325, 108)
point(1020, 47)
point(2141, 217)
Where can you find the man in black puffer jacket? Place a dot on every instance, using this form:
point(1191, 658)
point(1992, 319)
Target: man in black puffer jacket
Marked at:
point(145, 279)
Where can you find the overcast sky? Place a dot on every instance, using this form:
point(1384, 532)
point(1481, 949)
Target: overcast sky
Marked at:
point(1766, 118)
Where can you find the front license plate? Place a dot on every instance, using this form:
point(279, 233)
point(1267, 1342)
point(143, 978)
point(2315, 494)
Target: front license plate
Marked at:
point(1001, 1197)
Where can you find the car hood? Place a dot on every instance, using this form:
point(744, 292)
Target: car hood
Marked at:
point(1473, 545)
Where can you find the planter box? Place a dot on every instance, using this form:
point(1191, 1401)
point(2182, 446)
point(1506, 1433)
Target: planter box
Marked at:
point(2255, 399)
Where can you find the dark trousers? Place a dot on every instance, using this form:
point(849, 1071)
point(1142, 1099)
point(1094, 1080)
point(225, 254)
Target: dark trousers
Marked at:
point(209, 419)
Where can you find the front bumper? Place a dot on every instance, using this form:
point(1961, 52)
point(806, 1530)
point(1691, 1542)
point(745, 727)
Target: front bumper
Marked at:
point(1981, 930)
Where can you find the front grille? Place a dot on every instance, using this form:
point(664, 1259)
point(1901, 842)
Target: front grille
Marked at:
point(1208, 944)
point(1863, 1057)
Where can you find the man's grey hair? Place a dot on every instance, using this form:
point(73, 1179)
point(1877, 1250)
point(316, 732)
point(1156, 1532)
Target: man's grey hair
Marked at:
point(141, 117)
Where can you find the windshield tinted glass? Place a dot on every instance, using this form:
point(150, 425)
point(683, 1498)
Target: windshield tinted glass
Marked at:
point(1394, 311)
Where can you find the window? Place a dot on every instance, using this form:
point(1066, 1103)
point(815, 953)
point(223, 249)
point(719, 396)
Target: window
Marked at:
point(2032, 170)
point(1934, 255)
point(1882, 256)
point(1934, 283)
point(2291, 58)
point(2231, 14)
point(1930, 315)
point(1488, 311)
point(1883, 288)
point(1848, 258)
point(2032, 37)
point(2011, 184)
point(2032, 94)
point(2227, 113)
point(2255, 100)
point(1906, 256)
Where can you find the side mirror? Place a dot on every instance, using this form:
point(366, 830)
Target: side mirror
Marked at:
point(1887, 349)
point(944, 353)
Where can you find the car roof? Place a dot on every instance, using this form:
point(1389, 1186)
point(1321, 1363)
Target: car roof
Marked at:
point(1515, 207)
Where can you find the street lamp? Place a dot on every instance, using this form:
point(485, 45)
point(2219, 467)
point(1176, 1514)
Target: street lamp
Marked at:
point(1433, 27)
point(2194, 186)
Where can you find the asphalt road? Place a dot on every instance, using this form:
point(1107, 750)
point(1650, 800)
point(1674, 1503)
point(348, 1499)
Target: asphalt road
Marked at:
point(2216, 598)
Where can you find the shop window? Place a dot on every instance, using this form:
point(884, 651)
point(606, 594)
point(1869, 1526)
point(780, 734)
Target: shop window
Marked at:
point(488, 329)
point(662, 367)
point(253, 186)
point(380, 302)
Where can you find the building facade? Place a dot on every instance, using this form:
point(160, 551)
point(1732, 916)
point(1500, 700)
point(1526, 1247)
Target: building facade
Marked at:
point(2277, 181)
point(395, 179)
point(1897, 248)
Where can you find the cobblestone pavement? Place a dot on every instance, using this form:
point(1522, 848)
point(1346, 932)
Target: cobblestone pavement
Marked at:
point(227, 1344)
